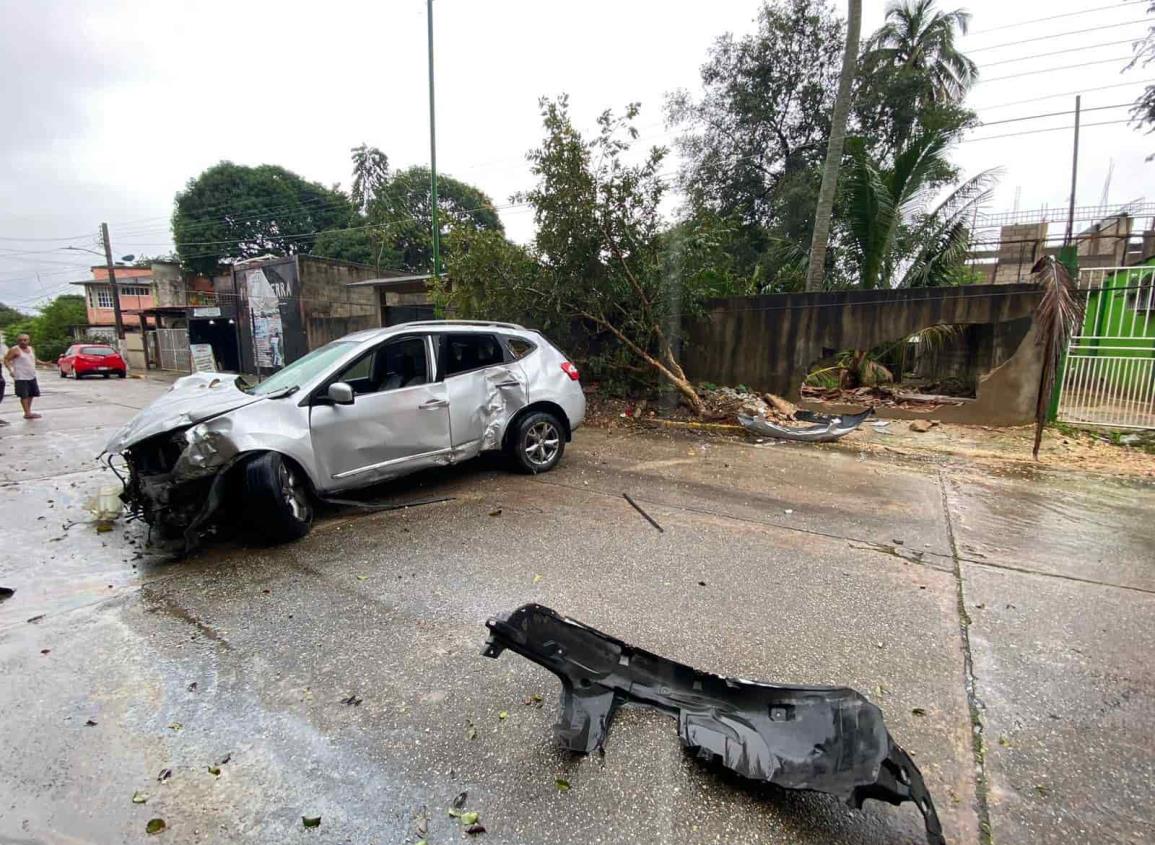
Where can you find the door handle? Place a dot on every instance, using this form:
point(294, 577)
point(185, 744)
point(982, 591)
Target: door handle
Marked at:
point(510, 383)
point(433, 404)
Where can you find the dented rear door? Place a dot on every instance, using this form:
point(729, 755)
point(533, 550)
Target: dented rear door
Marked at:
point(485, 388)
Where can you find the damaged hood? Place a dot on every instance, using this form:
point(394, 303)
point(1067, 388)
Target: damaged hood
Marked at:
point(190, 400)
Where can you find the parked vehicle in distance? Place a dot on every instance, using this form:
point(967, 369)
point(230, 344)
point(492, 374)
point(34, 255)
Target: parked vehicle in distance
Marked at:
point(372, 406)
point(91, 359)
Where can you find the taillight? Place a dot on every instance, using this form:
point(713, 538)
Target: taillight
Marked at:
point(570, 370)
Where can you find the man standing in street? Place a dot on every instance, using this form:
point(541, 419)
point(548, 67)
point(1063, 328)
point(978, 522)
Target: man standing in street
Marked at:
point(21, 360)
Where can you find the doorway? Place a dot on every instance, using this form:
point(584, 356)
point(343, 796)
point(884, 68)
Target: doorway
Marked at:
point(221, 334)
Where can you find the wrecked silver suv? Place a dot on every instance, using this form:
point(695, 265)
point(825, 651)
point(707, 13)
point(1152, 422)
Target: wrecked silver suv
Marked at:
point(369, 407)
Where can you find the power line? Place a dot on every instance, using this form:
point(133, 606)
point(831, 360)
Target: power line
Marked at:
point(1051, 114)
point(1037, 131)
point(1124, 4)
point(1052, 36)
point(1059, 52)
point(1053, 69)
point(1065, 94)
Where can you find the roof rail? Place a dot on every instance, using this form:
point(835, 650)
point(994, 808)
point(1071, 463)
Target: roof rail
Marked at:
point(464, 323)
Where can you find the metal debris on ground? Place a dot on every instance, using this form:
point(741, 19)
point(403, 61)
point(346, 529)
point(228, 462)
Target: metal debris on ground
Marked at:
point(638, 508)
point(823, 428)
point(825, 739)
point(385, 506)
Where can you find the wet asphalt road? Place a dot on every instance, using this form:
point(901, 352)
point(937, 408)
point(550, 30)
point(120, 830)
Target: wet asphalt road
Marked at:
point(1004, 625)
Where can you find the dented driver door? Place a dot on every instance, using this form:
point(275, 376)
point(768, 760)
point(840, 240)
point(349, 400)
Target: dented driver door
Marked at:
point(485, 388)
point(398, 422)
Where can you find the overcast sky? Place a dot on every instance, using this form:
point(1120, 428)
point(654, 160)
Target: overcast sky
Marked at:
point(107, 109)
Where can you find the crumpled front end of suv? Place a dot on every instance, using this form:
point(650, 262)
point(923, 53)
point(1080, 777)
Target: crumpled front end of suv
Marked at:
point(178, 479)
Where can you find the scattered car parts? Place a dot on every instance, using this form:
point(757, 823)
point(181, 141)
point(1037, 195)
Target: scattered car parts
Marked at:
point(824, 429)
point(825, 739)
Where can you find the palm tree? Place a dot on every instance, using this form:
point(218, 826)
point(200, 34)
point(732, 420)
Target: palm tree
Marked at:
point(918, 37)
point(825, 208)
point(896, 240)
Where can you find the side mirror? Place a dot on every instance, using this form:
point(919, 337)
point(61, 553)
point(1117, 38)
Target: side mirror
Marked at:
point(340, 393)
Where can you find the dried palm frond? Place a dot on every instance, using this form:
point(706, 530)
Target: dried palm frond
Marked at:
point(1059, 313)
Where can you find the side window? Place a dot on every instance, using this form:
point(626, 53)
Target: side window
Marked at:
point(519, 347)
point(464, 352)
point(393, 365)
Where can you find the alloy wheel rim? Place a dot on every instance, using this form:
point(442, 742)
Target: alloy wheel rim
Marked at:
point(542, 442)
point(293, 493)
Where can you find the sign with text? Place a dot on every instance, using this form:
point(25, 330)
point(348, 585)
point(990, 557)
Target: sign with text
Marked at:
point(203, 360)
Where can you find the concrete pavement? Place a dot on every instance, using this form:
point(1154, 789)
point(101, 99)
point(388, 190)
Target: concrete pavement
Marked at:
point(1002, 623)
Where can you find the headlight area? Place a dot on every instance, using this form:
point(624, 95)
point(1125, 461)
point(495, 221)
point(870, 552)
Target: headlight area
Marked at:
point(171, 476)
point(208, 447)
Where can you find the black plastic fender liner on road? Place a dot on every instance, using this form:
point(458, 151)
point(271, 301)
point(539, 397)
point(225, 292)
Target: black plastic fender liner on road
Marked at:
point(825, 739)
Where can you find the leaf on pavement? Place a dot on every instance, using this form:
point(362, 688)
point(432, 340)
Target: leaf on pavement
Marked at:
point(139, 797)
point(164, 775)
point(311, 821)
point(215, 771)
point(476, 827)
point(469, 818)
point(562, 784)
point(460, 800)
point(503, 715)
point(155, 826)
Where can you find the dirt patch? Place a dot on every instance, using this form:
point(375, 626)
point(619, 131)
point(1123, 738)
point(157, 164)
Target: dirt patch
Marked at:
point(1009, 448)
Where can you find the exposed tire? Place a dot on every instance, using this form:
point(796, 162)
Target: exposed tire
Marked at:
point(537, 443)
point(278, 506)
point(105, 375)
point(121, 374)
point(62, 373)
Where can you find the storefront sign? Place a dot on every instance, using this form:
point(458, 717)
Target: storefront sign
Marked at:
point(214, 311)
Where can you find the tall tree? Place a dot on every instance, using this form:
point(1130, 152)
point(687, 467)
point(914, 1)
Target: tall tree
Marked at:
point(401, 210)
point(232, 212)
point(752, 144)
point(919, 37)
point(896, 241)
point(370, 174)
point(600, 252)
point(51, 329)
point(817, 267)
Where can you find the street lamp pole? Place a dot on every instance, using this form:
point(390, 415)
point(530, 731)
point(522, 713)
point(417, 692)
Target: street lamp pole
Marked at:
point(433, 151)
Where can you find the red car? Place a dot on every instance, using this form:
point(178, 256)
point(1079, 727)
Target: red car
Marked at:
point(91, 359)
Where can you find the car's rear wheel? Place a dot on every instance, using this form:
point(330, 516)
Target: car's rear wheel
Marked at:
point(278, 504)
point(62, 373)
point(105, 375)
point(121, 374)
point(538, 442)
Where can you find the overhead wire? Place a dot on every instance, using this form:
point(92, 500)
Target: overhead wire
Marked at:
point(1052, 114)
point(1052, 69)
point(1055, 35)
point(1039, 131)
point(1001, 27)
point(1058, 52)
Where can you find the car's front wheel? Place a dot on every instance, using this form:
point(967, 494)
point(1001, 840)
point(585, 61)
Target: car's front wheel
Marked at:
point(537, 443)
point(278, 505)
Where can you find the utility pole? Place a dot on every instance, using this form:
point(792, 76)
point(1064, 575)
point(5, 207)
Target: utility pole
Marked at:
point(1074, 177)
point(115, 290)
point(433, 151)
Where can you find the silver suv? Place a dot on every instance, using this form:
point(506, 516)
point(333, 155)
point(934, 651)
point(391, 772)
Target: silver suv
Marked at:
point(369, 407)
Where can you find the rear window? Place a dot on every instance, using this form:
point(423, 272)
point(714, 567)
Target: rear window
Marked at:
point(464, 352)
point(100, 351)
point(519, 347)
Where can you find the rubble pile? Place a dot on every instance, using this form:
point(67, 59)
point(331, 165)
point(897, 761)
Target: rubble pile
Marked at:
point(726, 403)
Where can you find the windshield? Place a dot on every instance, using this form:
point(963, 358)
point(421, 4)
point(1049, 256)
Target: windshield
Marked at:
point(301, 370)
